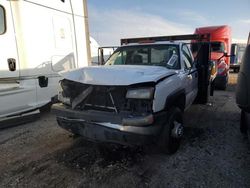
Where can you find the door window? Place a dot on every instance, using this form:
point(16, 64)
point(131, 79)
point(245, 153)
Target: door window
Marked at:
point(2, 20)
point(187, 57)
point(218, 47)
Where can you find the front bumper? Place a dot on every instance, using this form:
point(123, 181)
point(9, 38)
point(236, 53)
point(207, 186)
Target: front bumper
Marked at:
point(107, 127)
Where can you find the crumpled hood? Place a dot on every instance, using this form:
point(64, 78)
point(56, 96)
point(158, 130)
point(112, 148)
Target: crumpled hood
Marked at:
point(117, 74)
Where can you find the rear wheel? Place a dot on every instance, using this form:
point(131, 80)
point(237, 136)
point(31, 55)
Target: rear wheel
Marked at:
point(172, 133)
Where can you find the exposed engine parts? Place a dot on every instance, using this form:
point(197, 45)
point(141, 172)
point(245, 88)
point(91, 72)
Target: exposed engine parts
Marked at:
point(104, 98)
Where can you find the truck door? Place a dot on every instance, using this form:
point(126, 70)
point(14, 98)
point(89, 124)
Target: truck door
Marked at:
point(204, 72)
point(9, 65)
point(191, 75)
point(16, 95)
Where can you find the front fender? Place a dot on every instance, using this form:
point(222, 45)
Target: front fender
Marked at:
point(163, 90)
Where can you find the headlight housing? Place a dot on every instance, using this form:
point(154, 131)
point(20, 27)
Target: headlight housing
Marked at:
point(61, 97)
point(140, 93)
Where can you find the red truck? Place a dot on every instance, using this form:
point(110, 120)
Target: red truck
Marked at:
point(220, 38)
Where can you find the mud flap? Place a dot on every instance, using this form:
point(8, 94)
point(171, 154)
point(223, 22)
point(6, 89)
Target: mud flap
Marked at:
point(204, 73)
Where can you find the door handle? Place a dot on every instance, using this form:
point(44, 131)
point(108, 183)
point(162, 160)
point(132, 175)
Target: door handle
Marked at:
point(11, 64)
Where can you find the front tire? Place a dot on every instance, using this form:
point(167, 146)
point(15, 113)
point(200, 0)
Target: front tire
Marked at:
point(171, 135)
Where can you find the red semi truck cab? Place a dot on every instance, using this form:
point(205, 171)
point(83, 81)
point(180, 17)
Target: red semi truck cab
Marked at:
point(220, 37)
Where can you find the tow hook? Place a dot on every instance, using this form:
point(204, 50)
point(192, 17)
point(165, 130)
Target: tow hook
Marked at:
point(177, 131)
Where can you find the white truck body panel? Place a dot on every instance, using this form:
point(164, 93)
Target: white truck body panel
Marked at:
point(44, 37)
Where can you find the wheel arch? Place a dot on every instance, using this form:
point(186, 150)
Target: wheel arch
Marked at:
point(177, 98)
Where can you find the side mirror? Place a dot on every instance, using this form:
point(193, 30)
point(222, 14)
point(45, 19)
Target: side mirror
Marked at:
point(225, 55)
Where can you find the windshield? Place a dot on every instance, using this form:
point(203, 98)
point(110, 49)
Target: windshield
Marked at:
point(158, 55)
point(218, 47)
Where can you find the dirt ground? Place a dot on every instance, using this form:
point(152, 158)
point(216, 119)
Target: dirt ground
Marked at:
point(213, 154)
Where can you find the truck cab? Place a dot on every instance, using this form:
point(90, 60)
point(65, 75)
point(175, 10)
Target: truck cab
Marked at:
point(138, 97)
point(37, 40)
point(220, 39)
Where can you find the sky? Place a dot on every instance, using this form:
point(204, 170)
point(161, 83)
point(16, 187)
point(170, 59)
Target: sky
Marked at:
point(110, 20)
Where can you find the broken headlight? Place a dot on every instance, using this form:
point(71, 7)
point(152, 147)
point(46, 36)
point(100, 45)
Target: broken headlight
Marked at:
point(61, 96)
point(142, 93)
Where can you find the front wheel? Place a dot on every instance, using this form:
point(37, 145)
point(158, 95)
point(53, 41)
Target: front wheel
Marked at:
point(172, 133)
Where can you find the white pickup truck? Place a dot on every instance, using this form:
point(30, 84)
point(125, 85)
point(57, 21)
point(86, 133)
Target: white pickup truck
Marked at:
point(138, 97)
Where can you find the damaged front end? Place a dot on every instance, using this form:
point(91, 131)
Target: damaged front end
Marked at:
point(116, 114)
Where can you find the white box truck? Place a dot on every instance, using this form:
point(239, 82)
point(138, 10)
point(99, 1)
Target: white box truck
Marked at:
point(39, 38)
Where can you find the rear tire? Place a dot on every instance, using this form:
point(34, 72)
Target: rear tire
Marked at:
point(168, 143)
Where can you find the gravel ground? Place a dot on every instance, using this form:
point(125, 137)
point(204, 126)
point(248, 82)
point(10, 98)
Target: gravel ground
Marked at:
point(213, 154)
